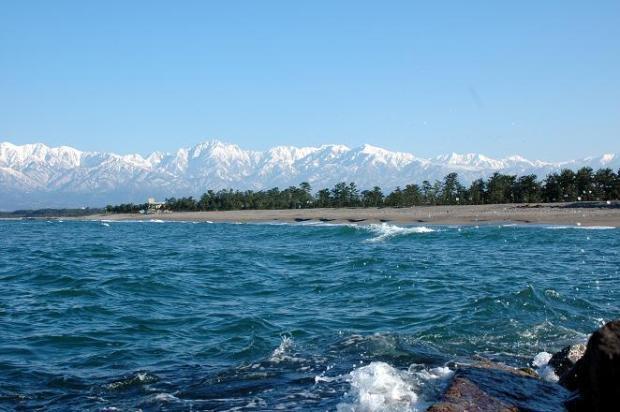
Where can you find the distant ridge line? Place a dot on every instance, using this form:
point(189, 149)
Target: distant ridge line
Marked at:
point(36, 175)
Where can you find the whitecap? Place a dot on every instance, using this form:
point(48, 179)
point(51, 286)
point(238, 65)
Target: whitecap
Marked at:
point(156, 221)
point(138, 378)
point(283, 352)
point(379, 386)
point(385, 231)
point(166, 397)
point(541, 363)
point(105, 224)
point(560, 227)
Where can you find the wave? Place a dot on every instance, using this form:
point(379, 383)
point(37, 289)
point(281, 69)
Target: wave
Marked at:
point(541, 363)
point(139, 378)
point(560, 227)
point(379, 386)
point(385, 231)
point(283, 352)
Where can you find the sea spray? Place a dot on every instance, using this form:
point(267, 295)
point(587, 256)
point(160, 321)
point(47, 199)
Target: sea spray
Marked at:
point(386, 231)
point(379, 386)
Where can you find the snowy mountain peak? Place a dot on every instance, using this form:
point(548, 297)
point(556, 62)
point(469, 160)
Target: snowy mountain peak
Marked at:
point(517, 158)
point(608, 158)
point(35, 175)
point(373, 150)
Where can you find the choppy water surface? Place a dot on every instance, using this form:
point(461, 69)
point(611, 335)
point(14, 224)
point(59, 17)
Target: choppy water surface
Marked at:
point(199, 316)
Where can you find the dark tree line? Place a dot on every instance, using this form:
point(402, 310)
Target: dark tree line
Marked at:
point(566, 186)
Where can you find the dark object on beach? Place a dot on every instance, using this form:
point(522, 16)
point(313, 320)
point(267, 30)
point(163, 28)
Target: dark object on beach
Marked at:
point(563, 361)
point(384, 220)
point(326, 220)
point(355, 220)
point(596, 376)
point(420, 220)
point(489, 386)
point(300, 219)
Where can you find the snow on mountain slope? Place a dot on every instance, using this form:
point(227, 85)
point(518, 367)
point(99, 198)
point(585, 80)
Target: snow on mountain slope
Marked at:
point(35, 175)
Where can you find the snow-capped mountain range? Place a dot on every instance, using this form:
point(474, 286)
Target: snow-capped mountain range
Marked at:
point(35, 175)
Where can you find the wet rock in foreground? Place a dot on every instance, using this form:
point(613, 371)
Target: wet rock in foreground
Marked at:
point(488, 386)
point(464, 395)
point(595, 378)
point(563, 361)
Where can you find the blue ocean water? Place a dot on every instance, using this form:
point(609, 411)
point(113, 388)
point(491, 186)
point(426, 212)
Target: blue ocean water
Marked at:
point(199, 316)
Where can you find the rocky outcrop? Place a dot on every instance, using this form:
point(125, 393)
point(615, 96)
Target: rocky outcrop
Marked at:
point(563, 361)
point(487, 386)
point(595, 378)
point(464, 395)
point(591, 372)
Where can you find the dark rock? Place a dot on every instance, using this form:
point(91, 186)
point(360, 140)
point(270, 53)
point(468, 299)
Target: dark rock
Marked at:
point(464, 395)
point(489, 386)
point(596, 376)
point(564, 360)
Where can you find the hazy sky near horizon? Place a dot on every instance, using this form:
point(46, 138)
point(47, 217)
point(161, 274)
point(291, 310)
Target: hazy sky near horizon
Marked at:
point(541, 79)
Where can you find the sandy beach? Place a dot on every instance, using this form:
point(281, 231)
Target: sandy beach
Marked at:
point(554, 214)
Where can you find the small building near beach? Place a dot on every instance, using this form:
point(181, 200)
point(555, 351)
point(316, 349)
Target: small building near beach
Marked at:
point(153, 206)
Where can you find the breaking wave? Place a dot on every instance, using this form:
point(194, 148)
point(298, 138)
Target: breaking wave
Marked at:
point(379, 386)
point(385, 231)
point(580, 227)
point(283, 353)
point(541, 363)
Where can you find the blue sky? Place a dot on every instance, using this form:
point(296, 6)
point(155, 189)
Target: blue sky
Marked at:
point(537, 78)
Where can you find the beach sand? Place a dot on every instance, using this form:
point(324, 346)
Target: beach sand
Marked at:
point(580, 214)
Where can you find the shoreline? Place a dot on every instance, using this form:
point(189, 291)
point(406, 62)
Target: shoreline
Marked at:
point(524, 214)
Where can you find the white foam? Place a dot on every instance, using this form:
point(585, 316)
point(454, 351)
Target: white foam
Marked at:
point(156, 221)
point(166, 397)
point(440, 372)
point(541, 359)
point(138, 378)
point(381, 387)
point(385, 231)
point(541, 363)
point(283, 352)
point(581, 227)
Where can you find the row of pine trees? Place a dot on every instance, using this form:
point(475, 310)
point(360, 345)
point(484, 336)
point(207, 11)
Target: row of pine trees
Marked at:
point(566, 186)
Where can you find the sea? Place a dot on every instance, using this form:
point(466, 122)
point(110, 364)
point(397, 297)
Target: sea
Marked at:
point(192, 316)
